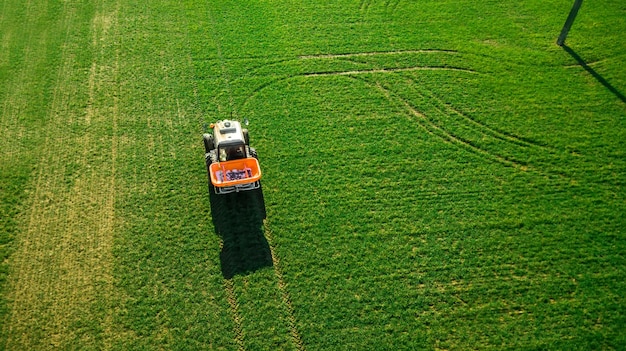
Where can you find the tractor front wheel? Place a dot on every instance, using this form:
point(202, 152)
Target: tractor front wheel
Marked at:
point(209, 144)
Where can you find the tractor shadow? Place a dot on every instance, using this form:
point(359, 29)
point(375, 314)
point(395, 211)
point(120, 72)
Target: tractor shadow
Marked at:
point(238, 221)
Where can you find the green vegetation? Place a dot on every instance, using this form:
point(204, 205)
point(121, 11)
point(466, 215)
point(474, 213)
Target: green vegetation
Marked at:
point(437, 175)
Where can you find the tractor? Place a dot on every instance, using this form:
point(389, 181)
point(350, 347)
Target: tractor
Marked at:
point(232, 165)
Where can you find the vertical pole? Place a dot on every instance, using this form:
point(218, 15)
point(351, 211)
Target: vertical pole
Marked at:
point(569, 22)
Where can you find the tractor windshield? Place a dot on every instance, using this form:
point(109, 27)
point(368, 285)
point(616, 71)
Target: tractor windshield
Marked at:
point(233, 152)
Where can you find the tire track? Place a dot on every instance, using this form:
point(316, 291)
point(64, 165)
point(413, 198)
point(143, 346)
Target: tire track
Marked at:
point(63, 262)
point(287, 76)
point(392, 5)
point(229, 288)
point(282, 287)
point(229, 285)
point(15, 100)
point(423, 120)
point(469, 121)
point(443, 134)
point(388, 70)
point(231, 296)
point(365, 5)
point(439, 132)
point(376, 53)
point(222, 61)
point(530, 148)
point(270, 83)
point(253, 70)
point(30, 284)
point(103, 30)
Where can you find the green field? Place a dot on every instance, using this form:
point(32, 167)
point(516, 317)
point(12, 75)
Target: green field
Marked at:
point(437, 175)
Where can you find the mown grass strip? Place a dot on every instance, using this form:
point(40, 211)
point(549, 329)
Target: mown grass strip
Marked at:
point(62, 265)
point(84, 249)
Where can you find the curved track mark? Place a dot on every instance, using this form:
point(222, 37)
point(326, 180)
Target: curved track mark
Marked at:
point(391, 5)
point(388, 70)
point(592, 63)
point(376, 53)
point(481, 127)
point(260, 88)
point(435, 130)
point(365, 5)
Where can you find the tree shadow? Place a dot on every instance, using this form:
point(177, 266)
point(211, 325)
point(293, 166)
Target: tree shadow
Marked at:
point(238, 221)
point(595, 74)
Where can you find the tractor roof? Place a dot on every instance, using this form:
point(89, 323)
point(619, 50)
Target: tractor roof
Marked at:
point(228, 132)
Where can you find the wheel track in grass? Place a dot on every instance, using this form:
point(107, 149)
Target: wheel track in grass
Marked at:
point(103, 24)
point(218, 209)
point(513, 143)
point(509, 141)
point(62, 265)
point(254, 71)
point(389, 6)
point(442, 133)
point(263, 86)
point(364, 5)
point(228, 284)
point(258, 89)
point(386, 70)
point(282, 287)
point(29, 285)
point(240, 247)
point(437, 131)
point(426, 122)
point(231, 296)
point(375, 53)
point(15, 101)
point(472, 122)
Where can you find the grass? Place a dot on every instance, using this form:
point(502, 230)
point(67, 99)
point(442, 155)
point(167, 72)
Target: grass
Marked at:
point(437, 175)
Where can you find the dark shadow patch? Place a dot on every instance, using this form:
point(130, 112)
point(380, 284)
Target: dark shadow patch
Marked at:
point(595, 74)
point(238, 221)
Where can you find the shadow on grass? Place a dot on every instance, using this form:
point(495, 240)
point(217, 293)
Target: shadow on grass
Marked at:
point(595, 74)
point(238, 221)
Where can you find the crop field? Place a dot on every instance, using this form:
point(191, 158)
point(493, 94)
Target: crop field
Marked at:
point(436, 175)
